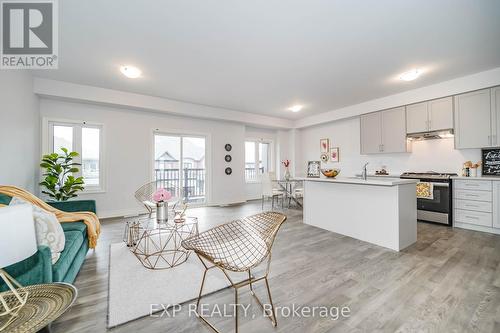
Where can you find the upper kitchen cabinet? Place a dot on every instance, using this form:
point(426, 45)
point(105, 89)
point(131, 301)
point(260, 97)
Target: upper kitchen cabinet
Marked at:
point(473, 120)
point(394, 131)
point(430, 116)
point(384, 132)
point(441, 114)
point(495, 116)
point(371, 133)
point(417, 117)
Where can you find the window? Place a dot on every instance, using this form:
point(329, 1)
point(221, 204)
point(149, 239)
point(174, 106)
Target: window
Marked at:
point(257, 159)
point(86, 140)
point(179, 162)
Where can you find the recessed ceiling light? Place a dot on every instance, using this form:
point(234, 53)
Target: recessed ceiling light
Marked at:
point(410, 75)
point(296, 108)
point(130, 71)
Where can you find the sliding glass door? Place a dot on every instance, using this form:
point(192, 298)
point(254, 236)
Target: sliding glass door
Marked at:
point(179, 162)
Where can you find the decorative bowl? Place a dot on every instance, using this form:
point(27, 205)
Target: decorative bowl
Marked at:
point(330, 173)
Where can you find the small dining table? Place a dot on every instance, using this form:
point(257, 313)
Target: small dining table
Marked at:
point(288, 186)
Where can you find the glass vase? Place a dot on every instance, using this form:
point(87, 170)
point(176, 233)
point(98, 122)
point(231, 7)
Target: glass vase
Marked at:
point(162, 212)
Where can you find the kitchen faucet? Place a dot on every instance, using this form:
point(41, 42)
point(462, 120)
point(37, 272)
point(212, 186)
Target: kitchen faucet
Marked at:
point(364, 172)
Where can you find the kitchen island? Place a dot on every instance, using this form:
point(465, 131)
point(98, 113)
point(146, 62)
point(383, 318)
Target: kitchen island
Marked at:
point(378, 211)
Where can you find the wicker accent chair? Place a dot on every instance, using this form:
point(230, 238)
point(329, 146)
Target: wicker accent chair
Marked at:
point(238, 246)
point(145, 193)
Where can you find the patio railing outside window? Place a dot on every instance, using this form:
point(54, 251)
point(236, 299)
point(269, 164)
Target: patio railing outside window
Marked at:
point(193, 183)
point(251, 173)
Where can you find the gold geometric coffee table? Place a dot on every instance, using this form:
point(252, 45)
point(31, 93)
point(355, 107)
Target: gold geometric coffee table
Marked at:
point(159, 245)
point(45, 303)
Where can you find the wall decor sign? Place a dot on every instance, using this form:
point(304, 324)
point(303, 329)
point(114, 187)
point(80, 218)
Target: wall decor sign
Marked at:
point(324, 145)
point(491, 162)
point(228, 158)
point(228, 147)
point(334, 154)
point(313, 169)
point(324, 158)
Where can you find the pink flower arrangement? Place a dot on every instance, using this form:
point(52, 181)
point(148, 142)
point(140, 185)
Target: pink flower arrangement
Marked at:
point(161, 195)
point(286, 163)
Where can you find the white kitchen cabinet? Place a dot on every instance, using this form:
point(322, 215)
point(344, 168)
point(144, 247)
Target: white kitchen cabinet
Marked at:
point(496, 204)
point(417, 117)
point(394, 131)
point(440, 114)
point(473, 120)
point(430, 116)
point(495, 116)
point(476, 204)
point(384, 132)
point(371, 133)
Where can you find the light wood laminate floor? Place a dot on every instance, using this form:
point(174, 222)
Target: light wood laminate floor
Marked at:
point(449, 281)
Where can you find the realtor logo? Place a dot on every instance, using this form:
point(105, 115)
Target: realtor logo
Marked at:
point(29, 34)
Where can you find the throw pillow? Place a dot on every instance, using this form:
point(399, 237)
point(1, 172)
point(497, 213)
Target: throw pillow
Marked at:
point(48, 229)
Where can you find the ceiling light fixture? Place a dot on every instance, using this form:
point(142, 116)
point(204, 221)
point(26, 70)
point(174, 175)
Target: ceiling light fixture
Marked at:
point(296, 108)
point(130, 71)
point(410, 75)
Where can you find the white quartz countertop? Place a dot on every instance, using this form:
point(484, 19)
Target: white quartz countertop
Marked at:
point(477, 178)
point(377, 181)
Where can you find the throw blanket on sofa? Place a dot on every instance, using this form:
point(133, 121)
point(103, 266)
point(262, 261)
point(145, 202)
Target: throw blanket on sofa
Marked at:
point(89, 218)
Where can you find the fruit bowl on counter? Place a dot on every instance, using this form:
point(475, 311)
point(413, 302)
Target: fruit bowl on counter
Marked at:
point(330, 173)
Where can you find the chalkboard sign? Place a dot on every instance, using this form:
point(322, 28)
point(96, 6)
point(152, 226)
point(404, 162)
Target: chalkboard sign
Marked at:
point(491, 162)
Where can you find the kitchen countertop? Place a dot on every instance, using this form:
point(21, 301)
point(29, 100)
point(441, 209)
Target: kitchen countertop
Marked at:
point(477, 178)
point(380, 181)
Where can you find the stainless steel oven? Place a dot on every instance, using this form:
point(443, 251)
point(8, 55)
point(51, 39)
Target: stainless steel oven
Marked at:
point(437, 209)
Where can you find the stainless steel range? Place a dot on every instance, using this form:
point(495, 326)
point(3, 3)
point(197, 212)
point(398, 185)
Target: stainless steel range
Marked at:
point(437, 209)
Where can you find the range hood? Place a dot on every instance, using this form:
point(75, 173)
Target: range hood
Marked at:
point(441, 134)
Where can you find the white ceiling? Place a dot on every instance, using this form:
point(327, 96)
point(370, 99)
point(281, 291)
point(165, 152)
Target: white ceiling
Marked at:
point(263, 56)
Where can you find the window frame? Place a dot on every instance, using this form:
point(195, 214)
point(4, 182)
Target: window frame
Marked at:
point(256, 141)
point(48, 144)
point(208, 157)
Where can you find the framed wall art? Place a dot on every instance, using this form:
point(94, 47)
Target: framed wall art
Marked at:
point(334, 154)
point(324, 145)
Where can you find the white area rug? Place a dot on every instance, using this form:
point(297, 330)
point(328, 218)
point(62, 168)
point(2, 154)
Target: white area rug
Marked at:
point(133, 288)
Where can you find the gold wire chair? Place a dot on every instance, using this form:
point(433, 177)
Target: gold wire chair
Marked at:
point(145, 193)
point(238, 246)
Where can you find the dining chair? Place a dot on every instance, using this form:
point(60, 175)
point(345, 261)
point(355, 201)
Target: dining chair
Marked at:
point(270, 191)
point(238, 246)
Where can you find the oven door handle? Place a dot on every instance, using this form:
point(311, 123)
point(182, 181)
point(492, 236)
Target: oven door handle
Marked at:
point(440, 184)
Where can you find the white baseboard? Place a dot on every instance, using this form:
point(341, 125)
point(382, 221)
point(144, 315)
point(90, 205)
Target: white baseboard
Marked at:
point(477, 228)
point(120, 213)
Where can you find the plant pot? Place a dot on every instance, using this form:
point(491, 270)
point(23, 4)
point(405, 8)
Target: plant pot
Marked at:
point(162, 212)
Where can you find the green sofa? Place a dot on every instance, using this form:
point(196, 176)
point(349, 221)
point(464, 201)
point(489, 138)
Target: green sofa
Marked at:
point(38, 268)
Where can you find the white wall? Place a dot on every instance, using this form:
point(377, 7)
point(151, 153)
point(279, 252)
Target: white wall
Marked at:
point(19, 130)
point(435, 155)
point(128, 146)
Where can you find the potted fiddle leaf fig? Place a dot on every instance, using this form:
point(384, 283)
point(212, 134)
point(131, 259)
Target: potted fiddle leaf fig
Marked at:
point(59, 180)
